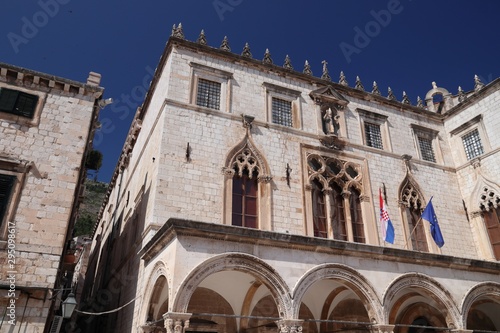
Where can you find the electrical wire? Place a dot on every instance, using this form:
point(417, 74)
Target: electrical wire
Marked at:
point(106, 312)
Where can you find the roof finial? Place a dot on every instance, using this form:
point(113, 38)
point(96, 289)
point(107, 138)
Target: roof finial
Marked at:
point(461, 95)
point(477, 83)
point(420, 102)
point(390, 94)
point(375, 89)
point(173, 30)
point(201, 38)
point(307, 68)
point(288, 63)
point(434, 85)
point(178, 33)
point(225, 45)
point(358, 84)
point(325, 75)
point(267, 57)
point(342, 79)
point(405, 99)
point(246, 51)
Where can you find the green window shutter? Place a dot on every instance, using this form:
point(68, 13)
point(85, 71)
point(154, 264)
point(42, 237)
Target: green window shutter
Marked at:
point(26, 105)
point(8, 100)
point(6, 185)
point(18, 103)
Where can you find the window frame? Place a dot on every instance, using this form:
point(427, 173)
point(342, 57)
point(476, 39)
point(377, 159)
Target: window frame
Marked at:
point(224, 78)
point(375, 119)
point(361, 183)
point(273, 91)
point(20, 119)
point(458, 133)
point(19, 171)
point(429, 134)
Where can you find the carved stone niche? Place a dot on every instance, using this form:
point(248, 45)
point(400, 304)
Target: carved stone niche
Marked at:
point(330, 103)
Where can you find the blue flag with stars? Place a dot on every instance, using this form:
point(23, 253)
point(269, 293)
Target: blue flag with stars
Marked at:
point(430, 216)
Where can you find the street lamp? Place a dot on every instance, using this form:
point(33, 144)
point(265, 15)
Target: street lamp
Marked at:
point(68, 306)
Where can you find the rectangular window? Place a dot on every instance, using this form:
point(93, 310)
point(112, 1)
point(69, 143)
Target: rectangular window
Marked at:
point(6, 185)
point(373, 135)
point(282, 112)
point(472, 144)
point(208, 94)
point(426, 150)
point(17, 102)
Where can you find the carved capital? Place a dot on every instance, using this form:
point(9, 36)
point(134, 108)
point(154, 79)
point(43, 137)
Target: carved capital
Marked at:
point(290, 326)
point(308, 188)
point(228, 172)
point(476, 214)
point(384, 328)
point(327, 191)
point(346, 194)
point(176, 322)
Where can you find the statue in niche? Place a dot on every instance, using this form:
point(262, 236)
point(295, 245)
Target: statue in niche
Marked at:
point(330, 120)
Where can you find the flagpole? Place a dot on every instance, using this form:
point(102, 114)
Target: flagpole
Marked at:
point(411, 233)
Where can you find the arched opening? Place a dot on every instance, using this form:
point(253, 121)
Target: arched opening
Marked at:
point(158, 304)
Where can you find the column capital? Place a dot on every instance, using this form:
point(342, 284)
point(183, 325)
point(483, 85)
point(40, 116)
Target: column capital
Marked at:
point(289, 325)
point(384, 328)
point(176, 322)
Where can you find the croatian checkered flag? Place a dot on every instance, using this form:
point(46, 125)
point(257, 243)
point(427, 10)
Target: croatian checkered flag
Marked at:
point(385, 222)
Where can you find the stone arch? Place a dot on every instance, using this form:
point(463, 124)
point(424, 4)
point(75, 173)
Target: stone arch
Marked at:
point(485, 195)
point(411, 285)
point(429, 98)
point(158, 273)
point(485, 291)
point(348, 276)
point(244, 146)
point(234, 261)
point(410, 193)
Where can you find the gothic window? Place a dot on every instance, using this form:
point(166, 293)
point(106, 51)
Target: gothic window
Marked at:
point(282, 112)
point(208, 94)
point(472, 144)
point(245, 199)
point(358, 232)
point(17, 102)
point(492, 223)
point(335, 198)
point(319, 209)
point(490, 206)
point(412, 209)
point(247, 192)
point(337, 212)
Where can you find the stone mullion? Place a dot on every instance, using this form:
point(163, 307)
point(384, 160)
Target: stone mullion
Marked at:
point(327, 192)
point(350, 235)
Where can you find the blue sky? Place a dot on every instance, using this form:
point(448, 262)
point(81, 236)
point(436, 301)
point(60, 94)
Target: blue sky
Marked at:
point(403, 44)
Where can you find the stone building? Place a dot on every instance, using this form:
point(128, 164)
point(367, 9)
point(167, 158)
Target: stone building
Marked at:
point(46, 126)
point(246, 199)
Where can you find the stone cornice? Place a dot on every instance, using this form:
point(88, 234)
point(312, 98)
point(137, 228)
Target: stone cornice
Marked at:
point(175, 228)
point(41, 81)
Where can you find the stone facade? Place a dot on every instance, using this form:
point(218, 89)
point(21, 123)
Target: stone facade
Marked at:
point(306, 253)
point(41, 165)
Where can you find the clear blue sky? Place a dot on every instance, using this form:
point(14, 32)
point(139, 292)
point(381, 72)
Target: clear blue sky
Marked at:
point(403, 44)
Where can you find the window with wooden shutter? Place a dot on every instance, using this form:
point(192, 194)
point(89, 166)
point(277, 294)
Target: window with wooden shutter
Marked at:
point(17, 102)
point(492, 222)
